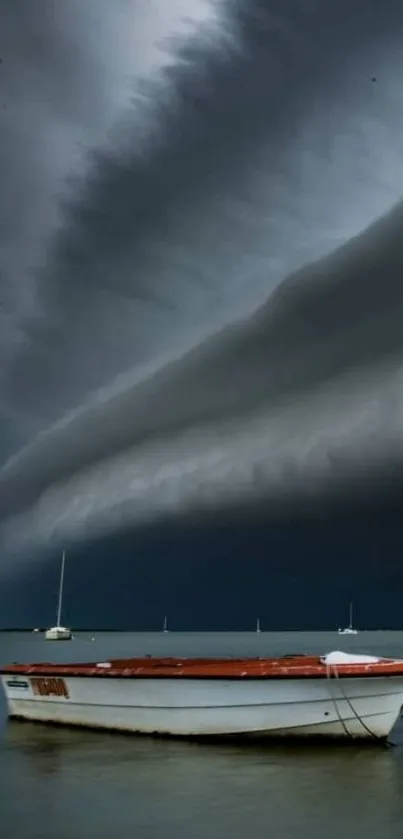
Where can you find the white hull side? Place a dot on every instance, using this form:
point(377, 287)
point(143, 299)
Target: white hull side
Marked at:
point(185, 707)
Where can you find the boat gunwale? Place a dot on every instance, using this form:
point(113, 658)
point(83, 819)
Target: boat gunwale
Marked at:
point(211, 669)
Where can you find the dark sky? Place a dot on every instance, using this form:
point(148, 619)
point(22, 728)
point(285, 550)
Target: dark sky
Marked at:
point(200, 310)
point(221, 578)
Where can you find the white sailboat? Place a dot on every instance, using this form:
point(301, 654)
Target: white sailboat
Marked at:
point(258, 626)
point(348, 630)
point(165, 627)
point(58, 632)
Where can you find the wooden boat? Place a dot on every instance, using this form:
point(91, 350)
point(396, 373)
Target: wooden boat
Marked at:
point(337, 695)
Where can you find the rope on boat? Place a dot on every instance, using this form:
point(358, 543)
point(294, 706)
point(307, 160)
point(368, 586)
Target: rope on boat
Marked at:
point(329, 668)
point(336, 707)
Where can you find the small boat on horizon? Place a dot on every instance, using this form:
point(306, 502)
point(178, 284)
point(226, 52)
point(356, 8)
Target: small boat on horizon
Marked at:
point(332, 696)
point(165, 626)
point(58, 632)
point(348, 630)
point(258, 629)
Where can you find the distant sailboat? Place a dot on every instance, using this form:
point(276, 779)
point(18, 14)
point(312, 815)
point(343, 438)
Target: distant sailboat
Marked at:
point(258, 626)
point(165, 627)
point(58, 632)
point(349, 630)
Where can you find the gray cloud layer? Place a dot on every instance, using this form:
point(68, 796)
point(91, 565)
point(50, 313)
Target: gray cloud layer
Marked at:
point(269, 144)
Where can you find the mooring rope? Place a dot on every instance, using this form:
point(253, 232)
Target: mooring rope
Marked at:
point(355, 713)
point(336, 707)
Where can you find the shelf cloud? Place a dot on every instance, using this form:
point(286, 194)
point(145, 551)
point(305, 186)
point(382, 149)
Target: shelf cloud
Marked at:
point(200, 263)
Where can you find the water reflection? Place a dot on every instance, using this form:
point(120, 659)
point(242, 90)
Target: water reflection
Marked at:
point(166, 788)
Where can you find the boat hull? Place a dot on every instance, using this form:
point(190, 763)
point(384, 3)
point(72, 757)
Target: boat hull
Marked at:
point(58, 633)
point(361, 707)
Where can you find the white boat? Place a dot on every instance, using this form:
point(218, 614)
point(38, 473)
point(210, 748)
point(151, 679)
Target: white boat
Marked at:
point(59, 632)
point(258, 626)
point(165, 627)
point(336, 696)
point(348, 630)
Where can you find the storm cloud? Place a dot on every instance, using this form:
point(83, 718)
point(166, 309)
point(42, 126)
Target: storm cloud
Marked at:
point(201, 300)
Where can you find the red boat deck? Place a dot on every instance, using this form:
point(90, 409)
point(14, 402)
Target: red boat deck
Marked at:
point(287, 667)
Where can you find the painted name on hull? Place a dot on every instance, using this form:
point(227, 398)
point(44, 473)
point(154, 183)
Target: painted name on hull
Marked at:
point(51, 686)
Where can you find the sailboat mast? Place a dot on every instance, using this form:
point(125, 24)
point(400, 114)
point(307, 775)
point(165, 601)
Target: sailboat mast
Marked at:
point(59, 605)
point(351, 615)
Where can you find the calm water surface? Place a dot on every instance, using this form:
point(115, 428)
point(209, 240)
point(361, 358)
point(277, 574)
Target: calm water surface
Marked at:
point(75, 784)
